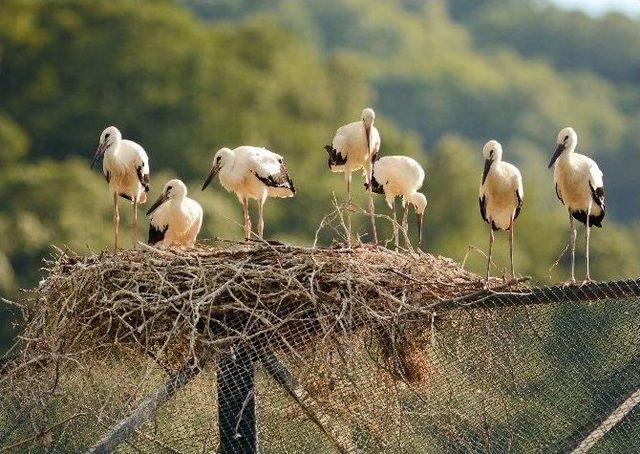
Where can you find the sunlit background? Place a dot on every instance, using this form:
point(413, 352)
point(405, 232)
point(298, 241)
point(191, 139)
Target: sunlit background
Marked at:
point(184, 78)
point(600, 7)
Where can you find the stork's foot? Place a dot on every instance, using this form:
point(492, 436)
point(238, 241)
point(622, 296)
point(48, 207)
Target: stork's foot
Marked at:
point(485, 284)
point(507, 280)
point(587, 281)
point(569, 282)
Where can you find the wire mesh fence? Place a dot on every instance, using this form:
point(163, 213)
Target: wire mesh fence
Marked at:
point(513, 369)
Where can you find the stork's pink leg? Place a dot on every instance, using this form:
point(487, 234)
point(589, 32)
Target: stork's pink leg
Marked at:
point(587, 234)
point(405, 225)
point(491, 239)
point(116, 222)
point(574, 233)
point(135, 223)
point(261, 218)
point(247, 219)
point(513, 273)
point(395, 224)
point(372, 214)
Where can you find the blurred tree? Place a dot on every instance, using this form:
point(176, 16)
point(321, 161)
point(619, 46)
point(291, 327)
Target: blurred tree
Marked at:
point(285, 75)
point(609, 46)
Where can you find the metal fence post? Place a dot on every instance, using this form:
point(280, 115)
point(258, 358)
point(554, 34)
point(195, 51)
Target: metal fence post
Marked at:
point(236, 402)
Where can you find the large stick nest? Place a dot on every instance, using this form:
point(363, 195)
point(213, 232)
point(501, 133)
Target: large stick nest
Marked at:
point(172, 303)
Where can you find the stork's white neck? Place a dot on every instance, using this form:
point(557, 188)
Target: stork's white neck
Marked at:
point(113, 148)
point(228, 171)
point(176, 201)
point(567, 153)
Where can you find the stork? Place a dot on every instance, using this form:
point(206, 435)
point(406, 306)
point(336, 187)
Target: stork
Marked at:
point(580, 187)
point(251, 173)
point(500, 196)
point(401, 176)
point(175, 219)
point(353, 148)
point(125, 166)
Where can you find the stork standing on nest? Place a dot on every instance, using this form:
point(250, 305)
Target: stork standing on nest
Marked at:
point(353, 148)
point(125, 166)
point(251, 173)
point(501, 195)
point(401, 176)
point(175, 219)
point(580, 187)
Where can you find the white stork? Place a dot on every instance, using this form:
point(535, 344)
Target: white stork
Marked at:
point(401, 176)
point(125, 166)
point(500, 196)
point(175, 219)
point(580, 188)
point(353, 148)
point(251, 173)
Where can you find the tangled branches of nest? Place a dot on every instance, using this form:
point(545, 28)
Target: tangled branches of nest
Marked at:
point(173, 303)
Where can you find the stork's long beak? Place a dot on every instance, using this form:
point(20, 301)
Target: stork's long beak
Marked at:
point(420, 217)
point(487, 166)
point(99, 152)
point(557, 154)
point(367, 132)
point(212, 173)
point(162, 199)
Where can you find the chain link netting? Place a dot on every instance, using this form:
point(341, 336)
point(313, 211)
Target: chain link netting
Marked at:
point(533, 370)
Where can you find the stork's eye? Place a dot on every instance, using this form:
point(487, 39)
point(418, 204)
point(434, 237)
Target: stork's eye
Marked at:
point(106, 136)
point(218, 159)
point(169, 188)
point(566, 137)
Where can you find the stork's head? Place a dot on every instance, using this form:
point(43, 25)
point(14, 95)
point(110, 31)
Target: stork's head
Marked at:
point(566, 141)
point(492, 152)
point(419, 202)
point(109, 137)
point(223, 157)
point(368, 116)
point(173, 190)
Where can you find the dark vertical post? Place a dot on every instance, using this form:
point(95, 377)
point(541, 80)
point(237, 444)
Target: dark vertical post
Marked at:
point(236, 402)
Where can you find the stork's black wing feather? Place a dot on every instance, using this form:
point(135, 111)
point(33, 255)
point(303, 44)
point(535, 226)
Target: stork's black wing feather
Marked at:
point(278, 180)
point(156, 234)
point(335, 158)
point(143, 178)
point(597, 194)
point(558, 194)
point(483, 207)
point(375, 185)
point(518, 207)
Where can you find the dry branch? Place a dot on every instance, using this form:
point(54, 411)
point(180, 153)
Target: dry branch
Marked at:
point(172, 303)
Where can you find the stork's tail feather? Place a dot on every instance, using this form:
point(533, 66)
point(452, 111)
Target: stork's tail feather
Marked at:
point(156, 234)
point(335, 158)
point(375, 186)
point(594, 221)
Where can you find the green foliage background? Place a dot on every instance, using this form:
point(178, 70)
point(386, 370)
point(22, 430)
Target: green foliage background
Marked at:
point(184, 78)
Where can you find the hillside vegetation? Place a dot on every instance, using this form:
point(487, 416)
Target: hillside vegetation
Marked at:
point(185, 78)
